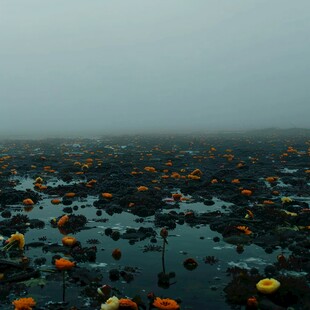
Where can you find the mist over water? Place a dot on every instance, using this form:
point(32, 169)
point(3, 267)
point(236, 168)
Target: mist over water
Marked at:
point(127, 67)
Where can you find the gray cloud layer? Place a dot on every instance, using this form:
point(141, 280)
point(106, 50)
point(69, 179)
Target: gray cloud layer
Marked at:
point(132, 66)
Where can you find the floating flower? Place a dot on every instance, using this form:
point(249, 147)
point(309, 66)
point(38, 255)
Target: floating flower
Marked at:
point(290, 213)
point(63, 220)
point(244, 229)
point(55, 201)
point(286, 200)
point(271, 179)
point(111, 304)
point(64, 264)
point(125, 303)
point(15, 239)
point(196, 172)
point(28, 202)
point(69, 241)
point(246, 192)
point(193, 177)
point(24, 303)
point(150, 169)
point(107, 195)
point(38, 180)
point(268, 202)
point(235, 181)
point(249, 214)
point(142, 188)
point(267, 286)
point(165, 304)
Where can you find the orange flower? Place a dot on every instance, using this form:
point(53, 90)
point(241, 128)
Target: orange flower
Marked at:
point(165, 304)
point(28, 202)
point(235, 181)
point(125, 303)
point(24, 303)
point(55, 201)
point(245, 229)
point(196, 172)
point(150, 169)
point(246, 192)
point(271, 179)
point(193, 177)
point(70, 195)
point(107, 195)
point(268, 202)
point(64, 264)
point(63, 220)
point(142, 188)
point(69, 241)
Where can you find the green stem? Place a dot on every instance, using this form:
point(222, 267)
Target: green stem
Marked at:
point(10, 245)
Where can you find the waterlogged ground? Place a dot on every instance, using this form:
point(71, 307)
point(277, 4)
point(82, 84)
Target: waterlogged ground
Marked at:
point(201, 226)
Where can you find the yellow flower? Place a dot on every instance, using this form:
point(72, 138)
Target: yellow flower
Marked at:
point(111, 304)
point(19, 238)
point(267, 286)
point(290, 213)
point(286, 199)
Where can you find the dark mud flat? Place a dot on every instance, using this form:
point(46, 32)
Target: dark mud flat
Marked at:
point(236, 208)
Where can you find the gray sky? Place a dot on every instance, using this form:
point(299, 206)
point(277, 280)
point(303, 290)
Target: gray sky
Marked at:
point(116, 66)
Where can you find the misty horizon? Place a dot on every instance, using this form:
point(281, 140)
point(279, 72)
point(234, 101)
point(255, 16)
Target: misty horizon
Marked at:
point(101, 67)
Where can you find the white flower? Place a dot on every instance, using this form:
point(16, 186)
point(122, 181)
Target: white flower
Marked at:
point(111, 304)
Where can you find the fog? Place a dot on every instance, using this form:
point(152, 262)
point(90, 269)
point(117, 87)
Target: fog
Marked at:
point(100, 67)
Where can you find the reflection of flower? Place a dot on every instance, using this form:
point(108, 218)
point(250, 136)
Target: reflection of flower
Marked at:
point(165, 304)
point(116, 254)
point(252, 302)
point(24, 303)
point(18, 238)
point(111, 304)
point(190, 264)
point(267, 286)
point(64, 264)
point(125, 303)
point(246, 192)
